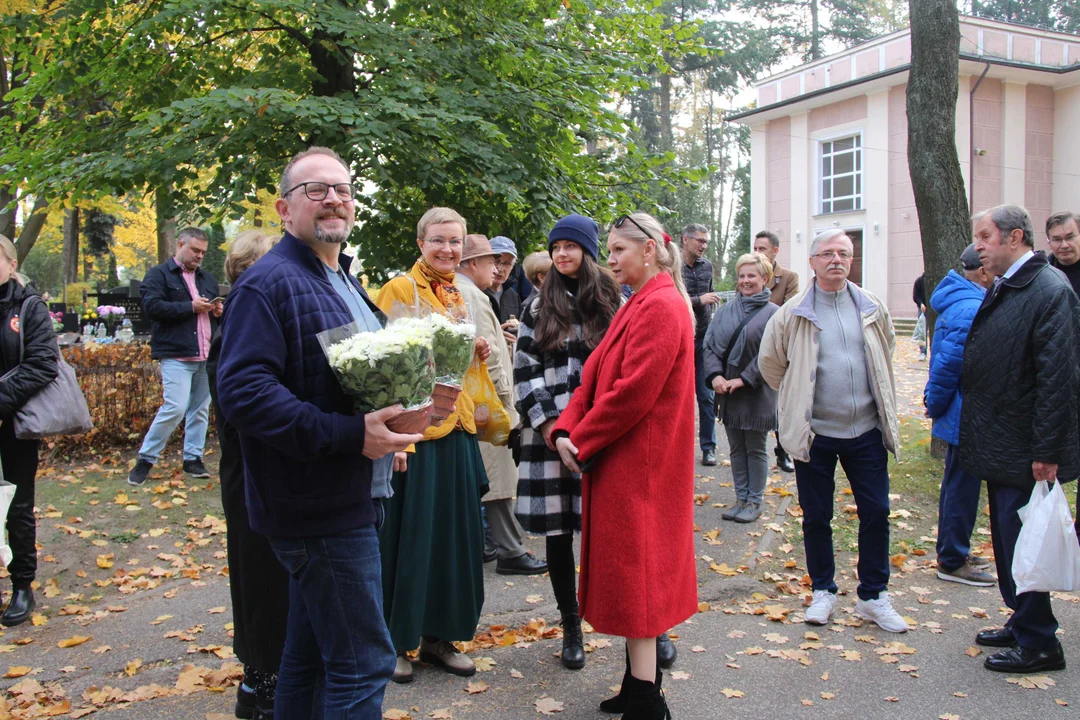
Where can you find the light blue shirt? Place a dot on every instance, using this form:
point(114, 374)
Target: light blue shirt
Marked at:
point(381, 468)
point(1018, 264)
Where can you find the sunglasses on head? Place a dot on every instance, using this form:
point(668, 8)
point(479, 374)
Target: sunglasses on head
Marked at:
point(622, 221)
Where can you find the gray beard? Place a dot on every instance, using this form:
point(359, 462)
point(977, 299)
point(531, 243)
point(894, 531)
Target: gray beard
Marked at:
point(334, 238)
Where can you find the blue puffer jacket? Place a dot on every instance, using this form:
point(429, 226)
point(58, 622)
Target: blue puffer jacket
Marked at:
point(956, 300)
point(305, 472)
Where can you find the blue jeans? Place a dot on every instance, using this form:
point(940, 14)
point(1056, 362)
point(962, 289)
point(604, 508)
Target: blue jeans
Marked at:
point(1032, 622)
point(186, 390)
point(336, 638)
point(866, 463)
point(706, 402)
point(958, 505)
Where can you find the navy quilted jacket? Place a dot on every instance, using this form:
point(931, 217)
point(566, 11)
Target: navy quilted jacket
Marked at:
point(956, 300)
point(1021, 379)
point(305, 474)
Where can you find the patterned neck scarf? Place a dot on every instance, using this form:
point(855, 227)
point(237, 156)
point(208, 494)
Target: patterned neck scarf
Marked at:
point(442, 284)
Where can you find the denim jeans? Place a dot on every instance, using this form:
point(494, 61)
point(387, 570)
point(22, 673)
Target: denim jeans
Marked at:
point(1032, 623)
point(336, 639)
point(958, 506)
point(749, 463)
point(866, 463)
point(706, 402)
point(186, 390)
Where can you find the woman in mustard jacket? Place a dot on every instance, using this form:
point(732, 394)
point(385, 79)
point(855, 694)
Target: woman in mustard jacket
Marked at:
point(432, 541)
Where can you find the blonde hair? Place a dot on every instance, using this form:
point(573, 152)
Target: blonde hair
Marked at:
point(534, 264)
point(7, 249)
point(764, 267)
point(667, 256)
point(245, 249)
point(437, 216)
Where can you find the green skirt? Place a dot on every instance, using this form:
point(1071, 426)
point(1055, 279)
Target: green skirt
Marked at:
point(432, 543)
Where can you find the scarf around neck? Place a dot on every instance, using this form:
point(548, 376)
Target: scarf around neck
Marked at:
point(442, 284)
point(727, 320)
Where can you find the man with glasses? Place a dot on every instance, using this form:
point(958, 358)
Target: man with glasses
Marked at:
point(1063, 235)
point(308, 457)
point(697, 274)
point(505, 299)
point(829, 353)
point(784, 286)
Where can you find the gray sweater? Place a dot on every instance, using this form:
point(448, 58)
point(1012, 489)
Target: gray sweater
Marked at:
point(844, 405)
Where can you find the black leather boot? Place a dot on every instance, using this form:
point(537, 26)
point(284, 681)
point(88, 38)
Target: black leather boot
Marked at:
point(19, 608)
point(783, 460)
point(573, 646)
point(618, 703)
point(665, 652)
point(645, 701)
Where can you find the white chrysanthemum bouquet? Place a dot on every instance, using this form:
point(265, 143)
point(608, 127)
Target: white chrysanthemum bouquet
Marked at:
point(452, 342)
point(394, 365)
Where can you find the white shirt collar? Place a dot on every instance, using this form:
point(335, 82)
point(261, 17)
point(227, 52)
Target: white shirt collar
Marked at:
point(1018, 264)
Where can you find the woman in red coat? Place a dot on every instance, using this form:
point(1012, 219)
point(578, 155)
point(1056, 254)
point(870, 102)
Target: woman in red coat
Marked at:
point(630, 427)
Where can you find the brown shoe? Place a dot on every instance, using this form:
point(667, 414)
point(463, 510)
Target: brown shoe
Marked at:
point(443, 653)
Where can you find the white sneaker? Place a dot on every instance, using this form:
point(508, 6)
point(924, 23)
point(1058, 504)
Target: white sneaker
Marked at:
point(821, 609)
point(881, 611)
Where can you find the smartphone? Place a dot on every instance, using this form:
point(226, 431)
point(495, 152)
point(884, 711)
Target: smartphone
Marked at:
point(218, 299)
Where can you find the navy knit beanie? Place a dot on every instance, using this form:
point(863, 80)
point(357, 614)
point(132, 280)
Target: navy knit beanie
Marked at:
point(580, 229)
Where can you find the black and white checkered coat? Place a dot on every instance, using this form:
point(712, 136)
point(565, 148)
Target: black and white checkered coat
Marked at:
point(549, 495)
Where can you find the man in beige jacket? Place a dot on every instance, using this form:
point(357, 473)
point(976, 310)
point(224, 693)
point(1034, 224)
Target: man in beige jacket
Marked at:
point(475, 274)
point(829, 353)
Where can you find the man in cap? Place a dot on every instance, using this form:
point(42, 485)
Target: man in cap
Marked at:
point(475, 274)
point(504, 299)
point(956, 299)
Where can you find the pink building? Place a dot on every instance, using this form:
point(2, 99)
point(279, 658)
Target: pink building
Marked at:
point(829, 145)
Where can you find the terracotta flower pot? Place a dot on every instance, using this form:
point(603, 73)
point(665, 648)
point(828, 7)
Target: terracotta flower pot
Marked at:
point(444, 396)
point(412, 422)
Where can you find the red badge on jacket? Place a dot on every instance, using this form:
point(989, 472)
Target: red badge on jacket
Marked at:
point(14, 324)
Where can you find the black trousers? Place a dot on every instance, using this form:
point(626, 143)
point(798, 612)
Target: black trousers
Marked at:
point(19, 458)
point(258, 584)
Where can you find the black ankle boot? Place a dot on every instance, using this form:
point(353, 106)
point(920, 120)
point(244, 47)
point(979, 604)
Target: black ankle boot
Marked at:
point(573, 646)
point(618, 703)
point(665, 651)
point(19, 608)
point(645, 701)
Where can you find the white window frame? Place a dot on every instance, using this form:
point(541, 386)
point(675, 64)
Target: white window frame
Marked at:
point(858, 176)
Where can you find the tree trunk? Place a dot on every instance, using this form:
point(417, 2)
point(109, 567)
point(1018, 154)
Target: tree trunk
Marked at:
point(940, 197)
point(667, 142)
point(815, 31)
point(166, 224)
point(32, 228)
point(70, 271)
point(7, 212)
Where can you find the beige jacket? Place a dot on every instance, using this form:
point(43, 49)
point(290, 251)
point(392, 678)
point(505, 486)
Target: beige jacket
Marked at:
point(788, 362)
point(498, 461)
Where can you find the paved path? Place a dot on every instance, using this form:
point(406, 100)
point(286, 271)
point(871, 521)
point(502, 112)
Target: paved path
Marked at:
point(746, 655)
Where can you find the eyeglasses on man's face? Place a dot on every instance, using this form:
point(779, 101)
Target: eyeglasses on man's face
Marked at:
point(319, 190)
point(835, 254)
point(1054, 241)
point(504, 264)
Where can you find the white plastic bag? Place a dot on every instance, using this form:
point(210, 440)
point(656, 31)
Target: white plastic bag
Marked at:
point(1047, 555)
point(7, 493)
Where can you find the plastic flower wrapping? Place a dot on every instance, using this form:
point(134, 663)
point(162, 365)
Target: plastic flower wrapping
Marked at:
point(453, 343)
point(394, 365)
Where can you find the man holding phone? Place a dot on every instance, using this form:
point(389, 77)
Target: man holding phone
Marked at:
point(184, 303)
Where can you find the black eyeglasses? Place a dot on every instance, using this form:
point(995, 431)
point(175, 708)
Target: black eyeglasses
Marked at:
point(319, 190)
point(622, 221)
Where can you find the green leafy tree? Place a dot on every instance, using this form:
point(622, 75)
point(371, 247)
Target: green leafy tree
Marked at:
point(1060, 15)
point(487, 106)
point(214, 259)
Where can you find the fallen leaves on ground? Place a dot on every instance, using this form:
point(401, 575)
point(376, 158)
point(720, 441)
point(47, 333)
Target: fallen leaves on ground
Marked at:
point(1032, 682)
point(73, 641)
point(548, 706)
point(729, 693)
point(484, 664)
point(475, 688)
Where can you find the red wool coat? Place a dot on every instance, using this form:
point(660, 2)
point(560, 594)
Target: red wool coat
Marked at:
point(633, 416)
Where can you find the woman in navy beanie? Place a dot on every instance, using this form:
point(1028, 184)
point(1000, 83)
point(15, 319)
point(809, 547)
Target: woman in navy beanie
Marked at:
point(559, 328)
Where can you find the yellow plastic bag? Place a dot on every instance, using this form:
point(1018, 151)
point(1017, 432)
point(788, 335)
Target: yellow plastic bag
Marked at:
point(492, 419)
